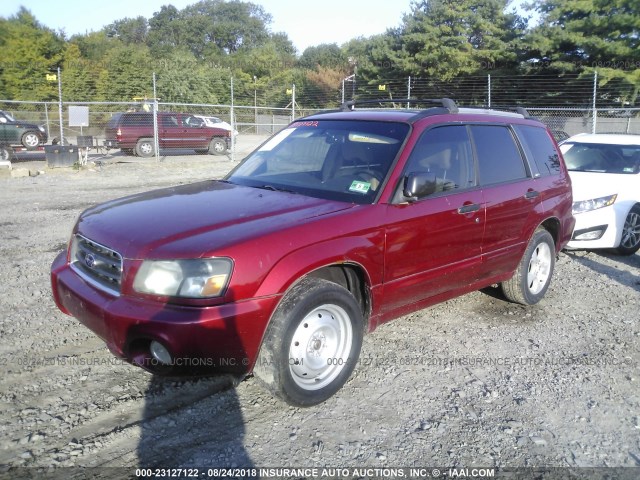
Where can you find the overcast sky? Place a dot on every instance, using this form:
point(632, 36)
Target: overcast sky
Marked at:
point(306, 23)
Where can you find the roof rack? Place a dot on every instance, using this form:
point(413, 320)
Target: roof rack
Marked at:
point(504, 111)
point(447, 103)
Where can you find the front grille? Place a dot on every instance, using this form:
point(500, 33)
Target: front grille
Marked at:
point(97, 264)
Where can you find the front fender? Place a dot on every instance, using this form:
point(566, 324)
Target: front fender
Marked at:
point(366, 250)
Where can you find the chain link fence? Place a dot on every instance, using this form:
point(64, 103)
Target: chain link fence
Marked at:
point(567, 105)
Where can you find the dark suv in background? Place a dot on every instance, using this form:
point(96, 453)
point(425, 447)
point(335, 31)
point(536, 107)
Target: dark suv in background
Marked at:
point(340, 222)
point(132, 132)
point(18, 133)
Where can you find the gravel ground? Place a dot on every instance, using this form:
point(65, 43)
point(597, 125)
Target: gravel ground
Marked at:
point(475, 381)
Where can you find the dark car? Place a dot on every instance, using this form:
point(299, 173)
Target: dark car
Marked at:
point(133, 133)
point(17, 133)
point(337, 224)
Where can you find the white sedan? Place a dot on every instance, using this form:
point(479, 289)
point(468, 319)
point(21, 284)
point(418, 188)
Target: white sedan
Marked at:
point(216, 123)
point(605, 173)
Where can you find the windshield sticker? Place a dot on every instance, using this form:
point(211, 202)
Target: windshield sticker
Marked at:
point(628, 169)
point(360, 186)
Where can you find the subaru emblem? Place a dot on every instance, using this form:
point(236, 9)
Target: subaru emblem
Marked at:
point(90, 260)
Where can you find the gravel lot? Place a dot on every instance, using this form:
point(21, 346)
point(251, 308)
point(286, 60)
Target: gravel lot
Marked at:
point(475, 381)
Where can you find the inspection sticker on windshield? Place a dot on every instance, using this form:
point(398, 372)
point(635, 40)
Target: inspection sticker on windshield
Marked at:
point(360, 187)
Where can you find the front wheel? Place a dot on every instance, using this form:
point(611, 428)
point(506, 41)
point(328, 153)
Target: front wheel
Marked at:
point(218, 146)
point(30, 140)
point(533, 275)
point(630, 241)
point(312, 343)
point(145, 148)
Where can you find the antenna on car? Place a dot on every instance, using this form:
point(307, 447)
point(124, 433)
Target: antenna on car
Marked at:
point(447, 103)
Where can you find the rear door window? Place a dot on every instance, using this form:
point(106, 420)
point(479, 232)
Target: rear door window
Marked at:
point(539, 148)
point(499, 158)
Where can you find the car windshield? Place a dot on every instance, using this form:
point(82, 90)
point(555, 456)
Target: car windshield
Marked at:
point(335, 160)
point(601, 158)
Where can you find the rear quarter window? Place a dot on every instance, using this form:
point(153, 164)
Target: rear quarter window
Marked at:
point(499, 158)
point(539, 148)
point(136, 120)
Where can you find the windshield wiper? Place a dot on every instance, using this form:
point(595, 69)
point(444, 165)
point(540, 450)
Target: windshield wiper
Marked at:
point(275, 189)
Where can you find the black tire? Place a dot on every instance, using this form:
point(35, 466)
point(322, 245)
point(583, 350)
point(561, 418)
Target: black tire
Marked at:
point(145, 147)
point(312, 343)
point(533, 275)
point(630, 241)
point(218, 146)
point(5, 153)
point(30, 140)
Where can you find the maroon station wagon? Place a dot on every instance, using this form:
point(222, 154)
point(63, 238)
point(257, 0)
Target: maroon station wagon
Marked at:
point(335, 225)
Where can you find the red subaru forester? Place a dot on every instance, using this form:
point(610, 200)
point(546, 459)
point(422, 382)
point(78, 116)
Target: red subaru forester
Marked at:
point(338, 223)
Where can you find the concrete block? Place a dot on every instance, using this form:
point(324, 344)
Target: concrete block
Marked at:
point(19, 172)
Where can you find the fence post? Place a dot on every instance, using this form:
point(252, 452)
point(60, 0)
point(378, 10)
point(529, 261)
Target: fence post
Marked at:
point(46, 116)
point(233, 124)
point(489, 90)
point(595, 112)
point(60, 107)
point(293, 102)
point(156, 141)
point(408, 90)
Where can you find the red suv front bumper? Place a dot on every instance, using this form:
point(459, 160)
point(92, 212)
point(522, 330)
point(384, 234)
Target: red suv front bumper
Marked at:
point(218, 339)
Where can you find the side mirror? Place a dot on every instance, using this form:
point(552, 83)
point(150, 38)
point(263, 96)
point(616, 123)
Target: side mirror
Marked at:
point(419, 185)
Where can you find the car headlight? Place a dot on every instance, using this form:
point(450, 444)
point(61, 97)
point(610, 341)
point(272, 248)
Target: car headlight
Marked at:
point(197, 278)
point(593, 204)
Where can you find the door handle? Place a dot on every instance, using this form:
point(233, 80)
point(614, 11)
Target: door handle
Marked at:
point(531, 194)
point(469, 208)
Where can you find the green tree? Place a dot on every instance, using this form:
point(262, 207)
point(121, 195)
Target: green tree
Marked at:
point(183, 79)
point(29, 52)
point(448, 38)
point(129, 30)
point(583, 35)
point(324, 55)
point(125, 72)
point(78, 75)
point(209, 28)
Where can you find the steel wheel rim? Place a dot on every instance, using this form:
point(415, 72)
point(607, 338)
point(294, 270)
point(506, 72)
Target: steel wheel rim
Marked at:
point(320, 347)
point(146, 148)
point(539, 268)
point(31, 139)
point(631, 231)
point(219, 147)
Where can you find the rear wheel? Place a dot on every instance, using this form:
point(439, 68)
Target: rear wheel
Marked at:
point(630, 241)
point(145, 148)
point(533, 275)
point(218, 146)
point(312, 343)
point(30, 140)
point(5, 153)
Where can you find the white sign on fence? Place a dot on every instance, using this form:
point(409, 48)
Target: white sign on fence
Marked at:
point(78, 116)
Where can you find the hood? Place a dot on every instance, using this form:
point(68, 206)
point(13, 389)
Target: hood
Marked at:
point(190, 221)
point(588, 185)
